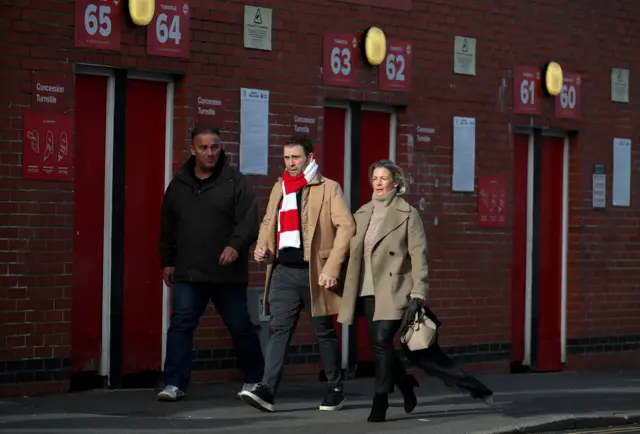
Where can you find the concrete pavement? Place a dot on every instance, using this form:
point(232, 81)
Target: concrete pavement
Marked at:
point(525, 403)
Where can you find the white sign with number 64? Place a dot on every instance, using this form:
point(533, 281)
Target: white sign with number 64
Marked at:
point(164, 32)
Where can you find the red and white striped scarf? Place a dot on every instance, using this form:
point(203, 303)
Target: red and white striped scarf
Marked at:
point(289, 214)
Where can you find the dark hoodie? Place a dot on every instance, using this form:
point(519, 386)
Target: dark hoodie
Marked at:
point(201, 217)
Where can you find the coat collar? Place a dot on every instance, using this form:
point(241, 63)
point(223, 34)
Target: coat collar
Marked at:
point(222, 170)
point(398, 212)
point(397, 204)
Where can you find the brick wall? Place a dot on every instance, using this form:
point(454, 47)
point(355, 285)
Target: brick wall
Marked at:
point(470, 266)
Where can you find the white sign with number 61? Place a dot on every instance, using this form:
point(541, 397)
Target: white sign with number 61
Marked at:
point(528, 92)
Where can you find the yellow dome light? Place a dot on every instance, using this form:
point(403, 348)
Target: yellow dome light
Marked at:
point(375, 46)
point(553, 78)
point(141, 11)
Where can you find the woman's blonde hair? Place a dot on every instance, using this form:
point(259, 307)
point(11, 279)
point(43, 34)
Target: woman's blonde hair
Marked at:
point(397, 175)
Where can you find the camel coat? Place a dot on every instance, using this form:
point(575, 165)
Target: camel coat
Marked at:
point(398, 262)
point(327, 226)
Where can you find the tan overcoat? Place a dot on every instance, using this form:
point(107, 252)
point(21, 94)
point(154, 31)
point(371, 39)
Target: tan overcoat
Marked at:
point(327, 226)
point(398, 261)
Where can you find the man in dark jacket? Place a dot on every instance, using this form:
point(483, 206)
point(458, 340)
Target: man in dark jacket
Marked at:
point(209, 221)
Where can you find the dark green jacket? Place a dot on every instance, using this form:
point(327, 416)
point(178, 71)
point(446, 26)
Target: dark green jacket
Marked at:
point(199, 219)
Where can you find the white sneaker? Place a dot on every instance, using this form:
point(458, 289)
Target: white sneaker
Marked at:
point(171, 394)
point(246, 387)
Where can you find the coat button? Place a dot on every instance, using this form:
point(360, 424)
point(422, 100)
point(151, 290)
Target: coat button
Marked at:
point(390, 274)
point(392, 253)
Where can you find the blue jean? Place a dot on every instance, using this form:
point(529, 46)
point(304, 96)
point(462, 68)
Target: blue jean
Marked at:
point(189, 303)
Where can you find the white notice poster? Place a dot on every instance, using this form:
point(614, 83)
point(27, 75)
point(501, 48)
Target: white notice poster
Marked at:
point(254, 131)
point(621, 172)
point(464, 154)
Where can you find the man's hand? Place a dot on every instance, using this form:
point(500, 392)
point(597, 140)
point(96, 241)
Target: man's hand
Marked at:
point(229, 255)
point(327, 281)
point(167, 276)
point(260, 254)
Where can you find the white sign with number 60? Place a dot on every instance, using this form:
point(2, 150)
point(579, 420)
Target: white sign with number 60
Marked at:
point(568, 96)
point(100, 23)
point(164, 32)
point(395, 67)
point(341, 61)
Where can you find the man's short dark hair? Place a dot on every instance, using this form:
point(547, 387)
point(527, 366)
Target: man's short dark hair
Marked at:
point(301, 140)
point(204, 129)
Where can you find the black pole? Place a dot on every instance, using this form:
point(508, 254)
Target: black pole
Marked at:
point(356, 122)
point(117, 227)
point(535, 249)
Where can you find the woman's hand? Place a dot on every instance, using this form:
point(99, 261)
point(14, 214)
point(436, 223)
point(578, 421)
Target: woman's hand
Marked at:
point(327, 281)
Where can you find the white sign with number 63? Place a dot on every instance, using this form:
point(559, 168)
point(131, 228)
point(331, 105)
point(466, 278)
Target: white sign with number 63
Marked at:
point(341, 61)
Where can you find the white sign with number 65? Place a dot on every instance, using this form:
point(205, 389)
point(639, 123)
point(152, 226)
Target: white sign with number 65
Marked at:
point(97, 19)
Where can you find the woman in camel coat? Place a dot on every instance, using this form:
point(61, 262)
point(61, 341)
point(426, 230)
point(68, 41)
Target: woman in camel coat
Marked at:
point(387, 266)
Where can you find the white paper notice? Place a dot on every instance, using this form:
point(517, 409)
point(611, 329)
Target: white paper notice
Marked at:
point(254, 131)
point(257, 27)
point(464, 56)
point(464, 154)
point(621, 172)
point(619, 85)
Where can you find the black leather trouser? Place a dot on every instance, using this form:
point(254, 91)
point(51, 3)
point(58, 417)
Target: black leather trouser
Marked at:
point(389, 369)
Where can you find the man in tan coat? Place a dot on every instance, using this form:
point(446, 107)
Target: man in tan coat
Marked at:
point(304, 240)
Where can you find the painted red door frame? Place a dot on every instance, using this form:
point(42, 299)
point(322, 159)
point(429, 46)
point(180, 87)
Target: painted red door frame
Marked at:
point(519, 246)
point(546, 337)
point(550, 287)
point(145, 179)
point(88, 221)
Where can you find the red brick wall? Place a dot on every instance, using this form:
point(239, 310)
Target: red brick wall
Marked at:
point(470, 266)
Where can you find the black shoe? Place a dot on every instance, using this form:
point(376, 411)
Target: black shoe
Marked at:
point(379, 408)
point(333, 400)
point(406, 386)
point(259, 397)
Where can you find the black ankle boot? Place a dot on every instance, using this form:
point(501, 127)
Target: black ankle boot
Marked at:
point(406, 386)
point(379, 408)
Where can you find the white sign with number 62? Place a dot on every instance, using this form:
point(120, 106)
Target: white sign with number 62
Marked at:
point(97, 19)
point(164, 32)
point(395, 67)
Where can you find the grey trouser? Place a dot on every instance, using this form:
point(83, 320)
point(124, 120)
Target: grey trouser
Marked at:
point(289, 293)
